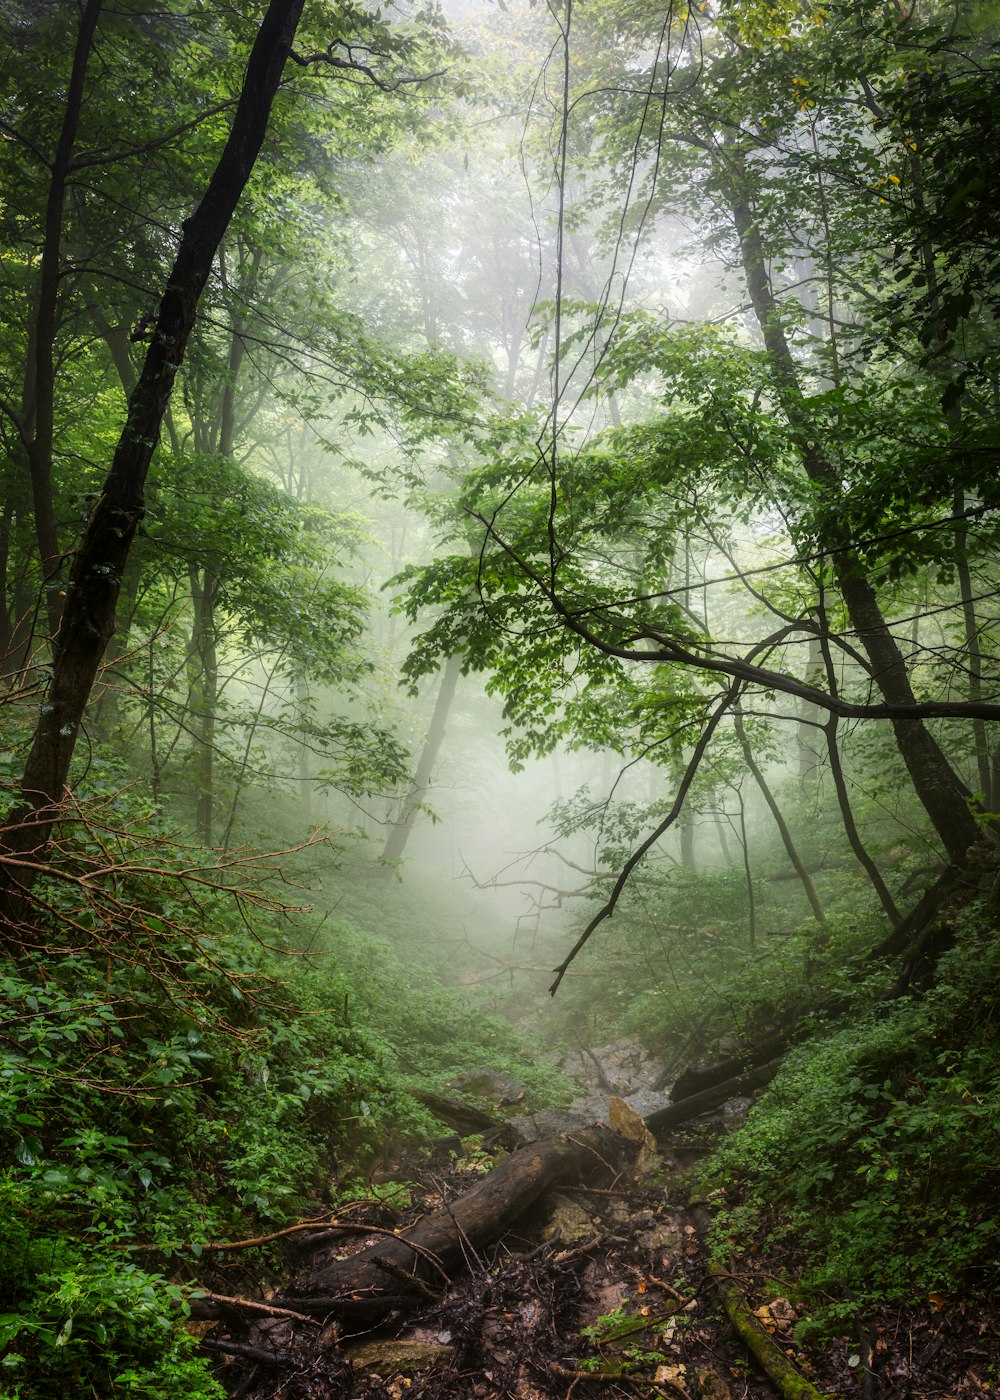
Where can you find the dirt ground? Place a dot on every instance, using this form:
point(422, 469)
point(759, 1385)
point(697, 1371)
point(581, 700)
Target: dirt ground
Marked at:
point(602, 1291)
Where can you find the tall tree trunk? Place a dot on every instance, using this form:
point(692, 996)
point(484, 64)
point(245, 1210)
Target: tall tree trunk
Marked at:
point(204, 695)
point(89, 616)
point(938, 787)
point(399, 835)
point(973, 649)
point(807, 732)
point(46, 317)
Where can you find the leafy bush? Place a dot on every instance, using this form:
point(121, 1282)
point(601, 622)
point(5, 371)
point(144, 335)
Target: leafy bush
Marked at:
point(876, 1148)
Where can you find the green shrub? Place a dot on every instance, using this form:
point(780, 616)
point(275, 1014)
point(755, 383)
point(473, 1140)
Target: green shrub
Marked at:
point(876, 1147)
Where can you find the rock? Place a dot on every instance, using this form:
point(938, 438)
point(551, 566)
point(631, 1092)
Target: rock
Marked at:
point(629, 1124)
point(647, 1101)
point(734, 1111)
point(549, 1121)
point(490, 1084)
point(388, 1358)
point(711, 1386)
point(567, 1220)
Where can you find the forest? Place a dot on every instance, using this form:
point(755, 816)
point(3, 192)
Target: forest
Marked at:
point(499, 682)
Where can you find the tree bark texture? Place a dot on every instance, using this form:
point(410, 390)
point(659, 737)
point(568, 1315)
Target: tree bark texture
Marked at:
point(89, 616)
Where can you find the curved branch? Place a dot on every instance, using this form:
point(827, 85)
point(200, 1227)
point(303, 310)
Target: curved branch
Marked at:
point(637, 855)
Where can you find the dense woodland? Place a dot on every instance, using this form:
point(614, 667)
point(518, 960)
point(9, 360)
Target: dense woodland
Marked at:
point(498, 558)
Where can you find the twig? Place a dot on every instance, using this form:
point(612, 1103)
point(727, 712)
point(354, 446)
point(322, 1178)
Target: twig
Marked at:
point(222, 1300)
point(411, 1280)
point(268, 1358)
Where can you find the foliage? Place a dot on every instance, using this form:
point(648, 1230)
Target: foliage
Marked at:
point(875, 1148)
point(167, 1081)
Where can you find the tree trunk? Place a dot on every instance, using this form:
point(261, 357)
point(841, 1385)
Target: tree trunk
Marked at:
point(843, 797)
point(399, 835)
point(943, 796)
point(89, 616)
point(204, 695)
point(43, 371)
point(782, 825)
point(973, 649)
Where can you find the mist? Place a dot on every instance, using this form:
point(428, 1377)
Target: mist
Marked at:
point(499, 698)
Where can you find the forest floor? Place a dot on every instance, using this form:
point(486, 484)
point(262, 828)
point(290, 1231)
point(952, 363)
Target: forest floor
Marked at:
point(601, 1291)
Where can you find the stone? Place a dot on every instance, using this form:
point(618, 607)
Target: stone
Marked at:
point(388, 1358)
point(567, 1220)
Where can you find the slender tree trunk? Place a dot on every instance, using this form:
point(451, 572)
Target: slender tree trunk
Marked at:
point(400, 834)
point(973, 649)
point(938, 787)
point(747, 871)
point(843, 797)
point(46, 319)
point(205, 686)
point(807, 732)
point(720, 831)
point(89, 617)
point(779, 820)
point(687, 841)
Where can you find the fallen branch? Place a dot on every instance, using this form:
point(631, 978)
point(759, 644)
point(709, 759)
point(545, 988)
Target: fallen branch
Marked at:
point(358, 1285)
point(786, 1378)
point(205, 1305)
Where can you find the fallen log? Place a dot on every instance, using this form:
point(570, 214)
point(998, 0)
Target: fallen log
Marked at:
point(787, 1379)
point(393, 1275)
point(686, 1109)
point(696, 1077)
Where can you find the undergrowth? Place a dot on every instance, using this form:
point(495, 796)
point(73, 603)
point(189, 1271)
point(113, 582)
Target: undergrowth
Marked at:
point(169, 1079)
point(874, 1153)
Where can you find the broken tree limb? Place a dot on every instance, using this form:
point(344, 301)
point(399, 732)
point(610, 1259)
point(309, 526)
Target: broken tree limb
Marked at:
point(359, 1285)
point(786, 1378)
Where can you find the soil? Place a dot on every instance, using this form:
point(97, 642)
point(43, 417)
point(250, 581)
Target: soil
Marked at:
point(602, 1291)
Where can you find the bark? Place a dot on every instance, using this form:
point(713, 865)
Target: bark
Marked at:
point(779, 820)
point(89, 617)
point(400, 834)
point(943, 796)
point(394, 1274)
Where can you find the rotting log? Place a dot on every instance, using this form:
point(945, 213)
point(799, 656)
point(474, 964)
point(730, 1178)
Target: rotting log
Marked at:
point(787, 1379)
point(393, 1275)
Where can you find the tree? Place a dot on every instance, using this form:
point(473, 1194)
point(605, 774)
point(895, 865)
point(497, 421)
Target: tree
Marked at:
point(752, 122)
point(92, 594)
